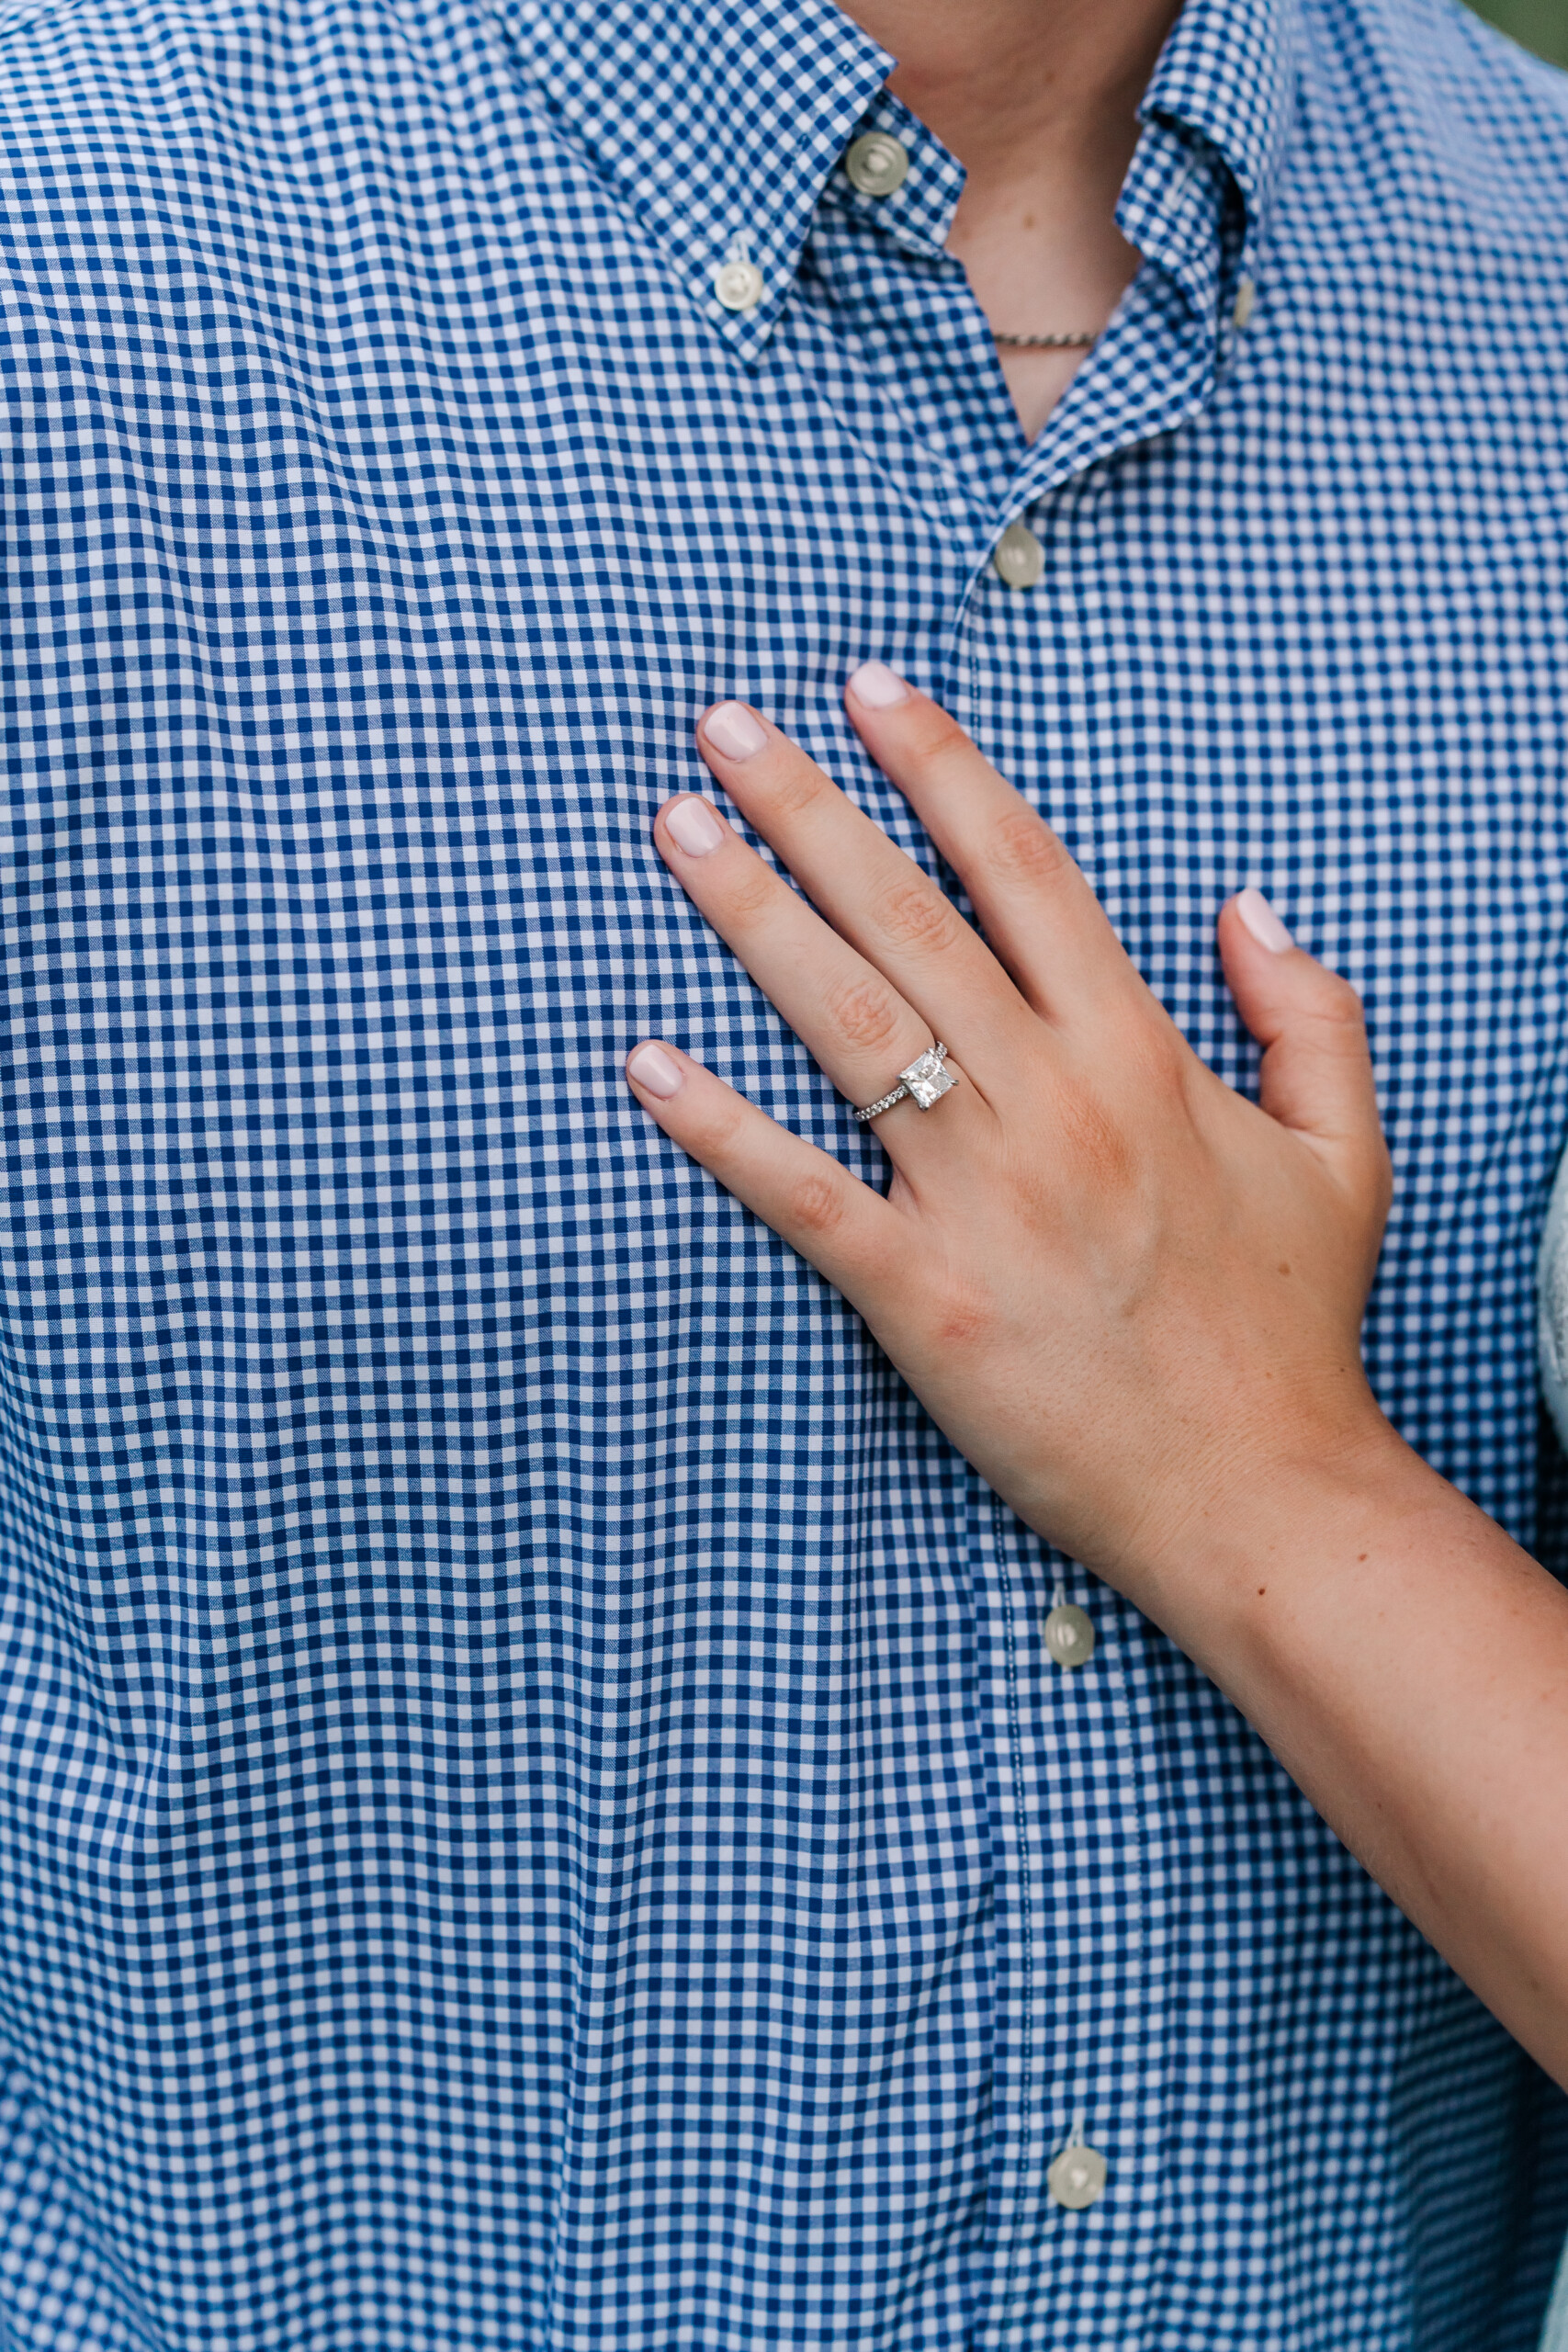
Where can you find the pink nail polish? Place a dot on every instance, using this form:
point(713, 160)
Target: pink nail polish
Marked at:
point(693, 827)
point(655, 1072)
point(876, 687)
point(733, 732)
point(1262, 922)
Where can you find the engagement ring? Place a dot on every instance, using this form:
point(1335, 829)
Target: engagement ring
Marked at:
point(925, 1082)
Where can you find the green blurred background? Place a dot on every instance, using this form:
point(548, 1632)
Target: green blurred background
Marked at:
point(1541, 24)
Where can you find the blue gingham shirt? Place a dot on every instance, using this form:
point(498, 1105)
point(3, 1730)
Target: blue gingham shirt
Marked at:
point(536, 1813)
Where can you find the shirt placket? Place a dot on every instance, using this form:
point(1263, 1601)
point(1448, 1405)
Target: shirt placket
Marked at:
point(1078, 2036)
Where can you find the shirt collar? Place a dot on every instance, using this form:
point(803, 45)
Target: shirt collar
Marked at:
point(1227, 71)
point(719, 121)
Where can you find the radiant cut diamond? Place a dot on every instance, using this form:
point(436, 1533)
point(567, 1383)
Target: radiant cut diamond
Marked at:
point(927, 1080)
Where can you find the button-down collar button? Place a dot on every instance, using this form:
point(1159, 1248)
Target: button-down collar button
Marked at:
point(878, 163)
point(1069, 1634)
point(1018, 556)
point(1077, 2177)
point(1245, 296)
point(739, 284)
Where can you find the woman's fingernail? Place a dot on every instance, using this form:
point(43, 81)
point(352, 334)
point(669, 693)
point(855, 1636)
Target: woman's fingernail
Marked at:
point(653, 1070)
point(732, 730)
point(1262, 922)
point(694, 825)
point(876, 687)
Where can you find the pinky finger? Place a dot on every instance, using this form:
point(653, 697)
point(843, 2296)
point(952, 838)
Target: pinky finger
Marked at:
point(848, 1232)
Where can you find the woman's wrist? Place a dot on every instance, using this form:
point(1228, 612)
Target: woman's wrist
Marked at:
point(1290, 1539)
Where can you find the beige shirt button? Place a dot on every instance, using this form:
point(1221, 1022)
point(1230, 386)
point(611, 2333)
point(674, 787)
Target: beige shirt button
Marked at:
point(1069, 1634)
point(1077, 2177)
point(878, 163)
point(1018, 556)
point(739, 284)
point(1245, 296)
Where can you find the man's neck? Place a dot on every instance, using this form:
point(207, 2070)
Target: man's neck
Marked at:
point(1038, 99)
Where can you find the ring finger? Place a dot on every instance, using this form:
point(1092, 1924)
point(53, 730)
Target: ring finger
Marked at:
point(851, 1018)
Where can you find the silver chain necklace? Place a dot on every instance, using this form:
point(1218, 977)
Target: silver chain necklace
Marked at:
point(1043, 341)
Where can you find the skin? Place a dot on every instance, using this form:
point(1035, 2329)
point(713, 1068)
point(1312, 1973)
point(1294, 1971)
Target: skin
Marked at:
point(1140, 1305)
point(1039, 101)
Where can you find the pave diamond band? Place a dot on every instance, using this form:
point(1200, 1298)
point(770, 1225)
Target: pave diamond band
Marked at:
point(925, 1082)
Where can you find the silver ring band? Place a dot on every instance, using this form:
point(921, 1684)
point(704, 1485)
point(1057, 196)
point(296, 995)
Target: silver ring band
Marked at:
point(883, 1103)
point(925, 1082)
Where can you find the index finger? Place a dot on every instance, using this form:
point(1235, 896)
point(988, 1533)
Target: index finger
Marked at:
point(1038, 910)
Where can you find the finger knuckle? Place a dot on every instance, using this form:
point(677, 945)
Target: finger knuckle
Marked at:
point(723, 1133)
point(815, 1203)
point(1155, 1059)
point(1100, 1120)
point(965, 1316)
point(1338, 1015)
point(1343, 1003)
point(1023, 848)
point(752, 892)
point(795, 788)
point(933, 734)
point(1095, 1140)
point(864, 1015)
point(911, 916)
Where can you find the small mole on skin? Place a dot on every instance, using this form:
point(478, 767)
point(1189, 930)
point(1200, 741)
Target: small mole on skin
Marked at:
point(1361, 1555)
point(1261, 1590)
point(1284, 1269)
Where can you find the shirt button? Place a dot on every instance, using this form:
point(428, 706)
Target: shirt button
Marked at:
point(1077, 2177)
point(739, 284)
point(1018, 556)
point(1245, 296)
point(878, 163)
point(1069, 1634)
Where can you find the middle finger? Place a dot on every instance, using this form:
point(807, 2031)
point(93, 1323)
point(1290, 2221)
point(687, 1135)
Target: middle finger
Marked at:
point(871, 892)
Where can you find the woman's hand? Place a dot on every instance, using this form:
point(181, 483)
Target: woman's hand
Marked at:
point(1126, 1293)
point(1134, 1299)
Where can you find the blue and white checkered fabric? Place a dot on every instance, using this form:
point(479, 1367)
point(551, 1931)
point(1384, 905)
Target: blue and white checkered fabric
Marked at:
point(534, 1810)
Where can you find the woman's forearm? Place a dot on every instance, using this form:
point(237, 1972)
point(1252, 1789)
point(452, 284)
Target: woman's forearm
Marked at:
point(1408, 1665)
